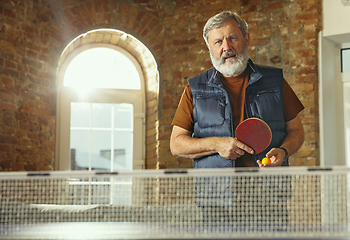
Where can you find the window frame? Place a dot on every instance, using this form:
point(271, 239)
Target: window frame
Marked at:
point(66, 95)
point(341, 58)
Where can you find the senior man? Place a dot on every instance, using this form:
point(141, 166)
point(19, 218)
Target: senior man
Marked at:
point(217, 100)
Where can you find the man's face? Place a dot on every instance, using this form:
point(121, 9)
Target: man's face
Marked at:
point(228, 49)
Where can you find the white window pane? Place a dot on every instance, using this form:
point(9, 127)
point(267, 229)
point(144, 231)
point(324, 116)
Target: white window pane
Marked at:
point(80, 114)
point(102, 68)
point(80, 148)
point(345, 53)
point(100, 147)
point(123, 143)
point(123, 116)
point(101, 115)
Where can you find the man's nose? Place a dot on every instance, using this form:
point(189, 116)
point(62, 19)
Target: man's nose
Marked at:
point(226, 45)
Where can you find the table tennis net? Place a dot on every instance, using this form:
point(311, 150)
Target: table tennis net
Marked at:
point(188, 203)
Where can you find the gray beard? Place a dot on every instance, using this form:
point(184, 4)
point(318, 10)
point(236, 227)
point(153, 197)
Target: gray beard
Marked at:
point(234, 66)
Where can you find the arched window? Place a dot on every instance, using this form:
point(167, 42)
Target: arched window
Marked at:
point(101, 106)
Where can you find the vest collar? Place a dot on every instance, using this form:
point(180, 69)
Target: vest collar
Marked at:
point(214, 77)
point(255, 75)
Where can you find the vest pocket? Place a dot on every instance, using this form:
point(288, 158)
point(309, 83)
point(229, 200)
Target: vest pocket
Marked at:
point(267, 105)
point(210, 110)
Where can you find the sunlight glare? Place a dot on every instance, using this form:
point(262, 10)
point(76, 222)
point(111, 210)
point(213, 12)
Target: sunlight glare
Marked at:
point(101, 68)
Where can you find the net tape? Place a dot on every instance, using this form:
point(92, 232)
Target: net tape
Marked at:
point(187, 203)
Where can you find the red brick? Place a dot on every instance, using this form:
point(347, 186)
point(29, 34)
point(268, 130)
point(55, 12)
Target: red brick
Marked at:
point(8, 130)
point(5, 164)
point(90, 7)
point(44, 16)
point(106, 18)
point(307, 16)
point(305, 52)
point(69, 17)
point(10, 64)
point(105, 5)
point(116, 8)
point(9, 13)
point(98, 6)
point(43, 57)
point(273, 6)
point(32, 54)
point(28, 29)
point(183, 4)
point(45, 50)
point(10, 123)
point(7, 46)
point(30, 167)
point(9, 106)
point(306, 2)
point(8, 139)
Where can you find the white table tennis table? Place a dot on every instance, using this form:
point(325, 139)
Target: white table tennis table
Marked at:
point(129, 230)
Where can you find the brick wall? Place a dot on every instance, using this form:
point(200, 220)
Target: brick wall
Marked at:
point(33, 34)
point(27, 132)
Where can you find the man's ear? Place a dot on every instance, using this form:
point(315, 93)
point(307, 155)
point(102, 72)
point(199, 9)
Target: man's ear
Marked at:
point(247, 38)
point(208, 46)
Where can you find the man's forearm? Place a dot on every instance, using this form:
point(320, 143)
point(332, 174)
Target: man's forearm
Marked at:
point(184, 145)
point(189, 147)
point(293, 141)
point(295, 136)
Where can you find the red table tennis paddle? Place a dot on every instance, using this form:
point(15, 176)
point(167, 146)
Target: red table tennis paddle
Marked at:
point(255, 133)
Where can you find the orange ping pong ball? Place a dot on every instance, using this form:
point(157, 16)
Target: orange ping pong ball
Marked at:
point(266, 160)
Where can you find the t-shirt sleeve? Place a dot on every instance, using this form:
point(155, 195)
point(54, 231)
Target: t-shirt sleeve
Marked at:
point(184, 113)
point(291, 103)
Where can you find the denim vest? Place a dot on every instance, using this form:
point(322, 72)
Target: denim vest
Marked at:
point(212, 109)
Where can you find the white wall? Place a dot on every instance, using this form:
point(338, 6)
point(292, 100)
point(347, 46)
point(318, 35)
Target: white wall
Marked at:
point(336, 19)
point(335, 35)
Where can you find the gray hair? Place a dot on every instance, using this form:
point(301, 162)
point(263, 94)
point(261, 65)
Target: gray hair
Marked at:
point(220, 19)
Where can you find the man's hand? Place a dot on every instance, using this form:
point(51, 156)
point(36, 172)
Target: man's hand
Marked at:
point(231, 148)
point(293, 141)
point(277, 157)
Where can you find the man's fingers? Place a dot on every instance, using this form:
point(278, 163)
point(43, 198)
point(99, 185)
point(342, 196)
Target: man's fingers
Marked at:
point(234, 155)
point(243, 147)
point(276, 156)
point(231, 148)
point(239, 152)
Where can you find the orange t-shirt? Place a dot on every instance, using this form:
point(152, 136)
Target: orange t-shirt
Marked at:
point(235, 86)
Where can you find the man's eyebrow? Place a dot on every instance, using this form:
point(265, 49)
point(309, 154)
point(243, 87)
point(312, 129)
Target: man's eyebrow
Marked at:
point(231, 35)
point(218, 38)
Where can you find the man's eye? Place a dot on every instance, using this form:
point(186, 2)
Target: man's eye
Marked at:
point(218, 42)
